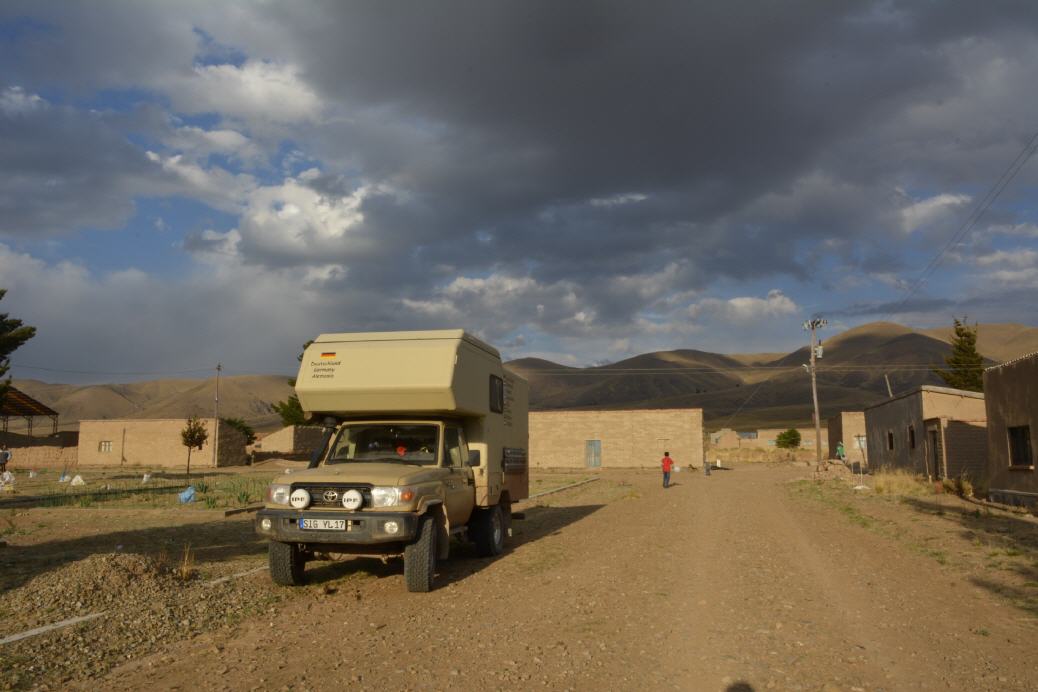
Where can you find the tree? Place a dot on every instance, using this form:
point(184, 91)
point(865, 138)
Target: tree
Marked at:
point(12, 335)
point(193, 435)
point(291, 411)
point(244, 428)
point(788, 440)
point(965, 365)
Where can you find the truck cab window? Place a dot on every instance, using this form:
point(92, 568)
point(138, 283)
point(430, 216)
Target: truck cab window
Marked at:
point(454, 447)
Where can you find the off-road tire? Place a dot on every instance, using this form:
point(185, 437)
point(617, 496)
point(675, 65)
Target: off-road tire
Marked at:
point(487, 530)
point(287, 563)
point(420, 557)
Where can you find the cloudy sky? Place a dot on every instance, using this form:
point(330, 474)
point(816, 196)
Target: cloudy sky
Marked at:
point(185, 182)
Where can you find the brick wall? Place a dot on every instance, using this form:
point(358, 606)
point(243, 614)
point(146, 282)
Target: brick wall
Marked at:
point(629, 438)
point(154, 443)
point(43, 457)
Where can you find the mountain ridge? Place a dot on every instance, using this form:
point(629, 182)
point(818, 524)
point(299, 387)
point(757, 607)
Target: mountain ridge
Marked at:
point(752, 390)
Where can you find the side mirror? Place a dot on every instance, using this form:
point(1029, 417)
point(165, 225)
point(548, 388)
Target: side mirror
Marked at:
point(473, 459)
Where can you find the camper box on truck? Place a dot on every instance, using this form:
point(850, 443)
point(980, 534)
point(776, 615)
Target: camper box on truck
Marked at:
point(426, 437)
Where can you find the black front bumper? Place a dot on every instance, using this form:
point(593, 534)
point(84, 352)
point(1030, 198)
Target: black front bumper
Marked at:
point(364, 528)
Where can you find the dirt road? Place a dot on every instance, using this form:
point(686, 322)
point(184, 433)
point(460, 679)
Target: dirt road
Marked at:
point(728, 582)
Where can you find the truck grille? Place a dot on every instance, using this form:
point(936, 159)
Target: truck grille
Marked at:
point(321, 494)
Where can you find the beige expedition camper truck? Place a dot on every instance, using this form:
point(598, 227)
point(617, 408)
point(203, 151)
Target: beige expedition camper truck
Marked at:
point(426, 438)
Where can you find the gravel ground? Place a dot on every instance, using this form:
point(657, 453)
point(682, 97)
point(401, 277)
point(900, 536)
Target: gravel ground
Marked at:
point(147, 603)
point(746, 580)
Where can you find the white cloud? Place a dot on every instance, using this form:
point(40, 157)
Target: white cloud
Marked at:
point(215, 186)
point(930, 210)
point(292, 222)
point(198, 144)
point(129, 320)
point(1026, 230)
point(1019, 258)
point(744, 308)
point(16, 101)
point(256, 91)
point(619, 200)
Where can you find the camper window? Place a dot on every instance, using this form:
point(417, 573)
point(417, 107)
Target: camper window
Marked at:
point(386, 442)
point(497, 394)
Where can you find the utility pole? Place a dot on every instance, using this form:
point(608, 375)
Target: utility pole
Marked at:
point(812, 325)
point(216, 415)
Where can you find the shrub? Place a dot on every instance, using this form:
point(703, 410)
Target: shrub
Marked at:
point(788, 440)
point(899, 483)
point(202, 487)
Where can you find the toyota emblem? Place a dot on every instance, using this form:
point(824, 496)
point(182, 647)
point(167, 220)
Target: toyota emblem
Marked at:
point(330, 496)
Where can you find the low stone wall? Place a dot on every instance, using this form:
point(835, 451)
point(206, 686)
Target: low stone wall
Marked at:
point(43, 457)
point(760, 455)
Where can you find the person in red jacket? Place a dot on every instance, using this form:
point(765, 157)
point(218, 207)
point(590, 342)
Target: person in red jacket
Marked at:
point(667, 463)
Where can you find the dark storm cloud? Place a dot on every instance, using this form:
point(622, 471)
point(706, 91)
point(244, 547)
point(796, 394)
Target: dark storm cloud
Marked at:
point(64, 168)
point(580, 165)
point(517, 116)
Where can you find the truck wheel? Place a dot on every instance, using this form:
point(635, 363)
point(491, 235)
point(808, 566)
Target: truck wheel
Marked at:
point(287, 563)
point(420, 557)
point(488, 531)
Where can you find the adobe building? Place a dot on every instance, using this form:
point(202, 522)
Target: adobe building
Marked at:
point(632, 438)
point(767, 437)
point(290, 442)
point(155, 443)
point(726, 438)
point(937, 432)
point(849, 427)
point(1011, 399)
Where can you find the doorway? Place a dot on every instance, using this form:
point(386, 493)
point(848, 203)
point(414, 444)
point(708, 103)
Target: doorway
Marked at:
point(593, 453)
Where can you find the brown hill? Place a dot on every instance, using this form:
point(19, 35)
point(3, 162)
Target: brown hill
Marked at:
point(744, 389)
point(241, 396)
point(750, 390)
point(999, 342)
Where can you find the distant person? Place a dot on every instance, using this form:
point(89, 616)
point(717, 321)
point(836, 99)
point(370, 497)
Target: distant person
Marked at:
point(5, 457)
point(841, 453)
point(667, 463)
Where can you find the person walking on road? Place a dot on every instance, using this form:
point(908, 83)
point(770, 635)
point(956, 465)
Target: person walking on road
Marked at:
point(841, 452)
point(5, 458)
point(667, 463)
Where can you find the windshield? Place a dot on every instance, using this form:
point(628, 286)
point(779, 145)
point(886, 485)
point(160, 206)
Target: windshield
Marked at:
point(404, 443)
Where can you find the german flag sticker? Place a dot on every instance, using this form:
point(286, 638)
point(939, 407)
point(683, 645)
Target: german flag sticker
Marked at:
point(328, 354)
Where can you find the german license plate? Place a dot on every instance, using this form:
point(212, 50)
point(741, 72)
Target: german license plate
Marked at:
point(324, 524)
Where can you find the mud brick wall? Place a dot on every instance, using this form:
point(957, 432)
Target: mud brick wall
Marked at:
point(43, 457)
point(294, 440)
point(154, 443)
point(630, 438)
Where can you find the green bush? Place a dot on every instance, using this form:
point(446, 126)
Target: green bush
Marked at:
point(788, 440)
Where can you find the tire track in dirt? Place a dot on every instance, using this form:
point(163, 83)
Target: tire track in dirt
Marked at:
point(622, 585)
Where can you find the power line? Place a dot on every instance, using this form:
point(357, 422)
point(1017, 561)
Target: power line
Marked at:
point(864, 367)
point(110, 372)
point(967, 225)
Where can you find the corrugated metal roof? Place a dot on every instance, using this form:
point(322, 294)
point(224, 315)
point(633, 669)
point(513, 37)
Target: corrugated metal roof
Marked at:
point(18, 404)
point(1014, 360)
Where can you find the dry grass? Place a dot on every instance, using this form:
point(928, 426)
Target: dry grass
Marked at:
point(186, 570)
point(900, 483)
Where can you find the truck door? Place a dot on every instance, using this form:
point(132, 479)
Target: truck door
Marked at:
point(460, 484)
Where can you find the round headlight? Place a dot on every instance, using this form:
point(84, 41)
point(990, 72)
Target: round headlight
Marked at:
point(391, 527)
point(352, 499)
point(265, 524)
point(300, 498)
